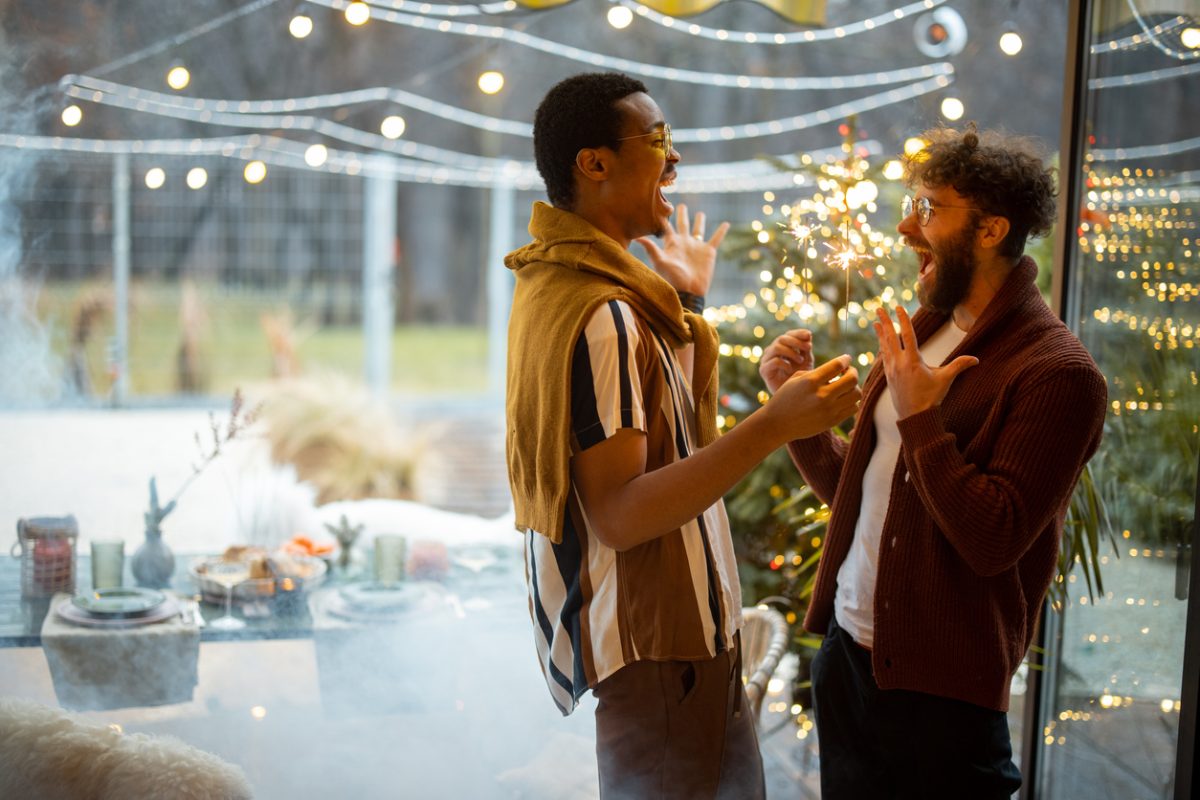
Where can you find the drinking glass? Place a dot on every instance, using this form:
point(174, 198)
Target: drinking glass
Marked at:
point(229, 574)
point(108, 564)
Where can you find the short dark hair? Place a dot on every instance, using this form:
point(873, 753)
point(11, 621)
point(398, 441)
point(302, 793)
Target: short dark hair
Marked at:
point(1001, 174)
point(577, 113)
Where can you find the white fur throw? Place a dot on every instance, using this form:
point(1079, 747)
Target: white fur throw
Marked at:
point(47, 754)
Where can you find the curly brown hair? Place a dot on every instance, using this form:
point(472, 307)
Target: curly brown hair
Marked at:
point(1001, 174)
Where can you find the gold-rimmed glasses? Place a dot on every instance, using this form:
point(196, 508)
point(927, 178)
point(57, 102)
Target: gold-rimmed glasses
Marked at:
point(665, 133)
point(924, 208)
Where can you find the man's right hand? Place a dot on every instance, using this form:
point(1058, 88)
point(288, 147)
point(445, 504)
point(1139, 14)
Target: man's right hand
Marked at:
point(790, 353)
point(812, 401)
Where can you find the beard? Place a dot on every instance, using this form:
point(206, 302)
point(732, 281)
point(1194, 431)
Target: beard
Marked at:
point(956, 265)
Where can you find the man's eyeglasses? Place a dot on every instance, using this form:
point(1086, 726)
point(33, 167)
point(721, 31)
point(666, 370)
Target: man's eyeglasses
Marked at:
point(924, 208)
point(665, 133)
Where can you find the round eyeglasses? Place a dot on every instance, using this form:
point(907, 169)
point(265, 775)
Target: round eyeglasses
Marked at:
point(924, 208)
point(665, 133)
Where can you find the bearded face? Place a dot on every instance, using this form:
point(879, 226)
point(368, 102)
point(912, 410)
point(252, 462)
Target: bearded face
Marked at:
point(954, 264)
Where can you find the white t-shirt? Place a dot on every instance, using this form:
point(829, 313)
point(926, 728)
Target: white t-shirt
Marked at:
point(854, 603)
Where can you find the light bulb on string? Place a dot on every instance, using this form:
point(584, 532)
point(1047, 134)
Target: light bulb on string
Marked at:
point(300, 26)
point(491, 82)
point(316, 155)
point(619, 17)
point(1010, 41)
point(1190, 38)
point(72, 116)
point(952, 108)
point(155, 178)
point(255, 172)
point(357, 13)
point(197, 177)
point(913, 145)
point(178, 77)
point(392, 127)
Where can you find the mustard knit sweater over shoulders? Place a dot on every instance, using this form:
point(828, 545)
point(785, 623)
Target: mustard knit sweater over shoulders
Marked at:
point(567, 271)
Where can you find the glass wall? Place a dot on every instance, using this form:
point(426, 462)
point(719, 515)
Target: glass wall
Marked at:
point(1110, 726)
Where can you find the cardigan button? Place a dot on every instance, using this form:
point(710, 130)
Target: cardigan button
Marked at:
point(887, 662)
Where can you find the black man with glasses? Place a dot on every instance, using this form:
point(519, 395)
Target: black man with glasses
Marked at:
point(949, 498)
point(615, 465)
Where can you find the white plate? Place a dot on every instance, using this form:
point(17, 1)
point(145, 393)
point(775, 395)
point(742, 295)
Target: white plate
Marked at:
point(77, 616)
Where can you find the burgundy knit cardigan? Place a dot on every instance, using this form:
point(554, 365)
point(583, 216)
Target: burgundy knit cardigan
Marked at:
point(970, 541)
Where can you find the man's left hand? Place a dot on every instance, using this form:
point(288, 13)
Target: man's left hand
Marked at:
point(915, 386)
point(684, 258)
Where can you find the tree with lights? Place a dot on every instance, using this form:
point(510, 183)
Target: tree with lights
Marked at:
point(823, 263)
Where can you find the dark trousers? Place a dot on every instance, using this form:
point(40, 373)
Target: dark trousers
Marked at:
point(894, 743)
point(677, 729)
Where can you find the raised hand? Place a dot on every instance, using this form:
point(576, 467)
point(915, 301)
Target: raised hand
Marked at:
point(684, 258)
point(790, 353)
point(915, 386)
point(813, 401)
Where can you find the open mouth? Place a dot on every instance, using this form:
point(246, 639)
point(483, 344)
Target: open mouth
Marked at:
point(924, 258)
point(668, 180)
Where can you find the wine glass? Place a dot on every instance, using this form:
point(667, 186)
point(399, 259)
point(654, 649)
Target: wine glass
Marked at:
point(229, 574)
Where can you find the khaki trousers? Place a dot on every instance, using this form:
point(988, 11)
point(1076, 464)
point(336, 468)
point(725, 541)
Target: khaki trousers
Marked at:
point(677, 729)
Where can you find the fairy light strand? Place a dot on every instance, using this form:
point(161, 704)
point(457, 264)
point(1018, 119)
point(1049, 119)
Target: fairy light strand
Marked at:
point(593, 59)
point(259, 113)
point(1137, 40)
point(1144, 151)
point(738, 177)
point(1156, 41)
point(774, 37)
point(1140, 78)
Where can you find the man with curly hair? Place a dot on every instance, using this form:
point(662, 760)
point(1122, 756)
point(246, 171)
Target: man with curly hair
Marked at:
point(616, 470)
point(949, 499)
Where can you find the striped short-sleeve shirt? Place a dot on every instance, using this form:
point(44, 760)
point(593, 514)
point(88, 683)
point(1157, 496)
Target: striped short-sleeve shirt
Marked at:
point(675, 597)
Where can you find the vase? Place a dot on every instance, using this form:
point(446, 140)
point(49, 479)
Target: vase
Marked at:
point(153, 564)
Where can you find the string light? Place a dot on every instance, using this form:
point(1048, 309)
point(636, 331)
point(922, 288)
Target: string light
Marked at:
point(619, 17)
point(719, 178)
point(1156, 40)
point(952, 108)
point(72, 115)
point(729, 178)
point(1137, 79)
point(1144, 151)
point(392, 127)
point(1138, 39)
point(316, 155)
point(358, 13)
point(775, 38)
point(444, 10)
point(155, 178)
point(1190, 38)
point(255, 172)
point(300, 26)
point(491, 82)
point(257, 114)
point(1010, 42)
point(594, 60)
point(197, 177)
point(178, 77)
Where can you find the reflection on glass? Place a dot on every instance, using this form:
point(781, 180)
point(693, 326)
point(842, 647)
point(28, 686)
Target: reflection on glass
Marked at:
point(1112, 722)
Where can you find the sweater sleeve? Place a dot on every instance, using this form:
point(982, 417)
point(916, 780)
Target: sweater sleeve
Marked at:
point(991, 514)
point(819, 459)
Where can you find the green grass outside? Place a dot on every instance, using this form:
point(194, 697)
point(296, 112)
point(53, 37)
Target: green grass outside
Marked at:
point(233, 347)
